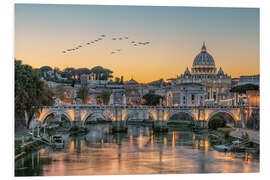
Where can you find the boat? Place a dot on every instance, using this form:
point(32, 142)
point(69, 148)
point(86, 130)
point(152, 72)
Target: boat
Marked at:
point(222, 148)
point(57, 141)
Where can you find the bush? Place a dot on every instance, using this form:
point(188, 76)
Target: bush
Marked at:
point(245, 136)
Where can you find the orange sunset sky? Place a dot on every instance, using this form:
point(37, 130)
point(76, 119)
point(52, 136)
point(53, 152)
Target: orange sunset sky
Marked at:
point(175, 34)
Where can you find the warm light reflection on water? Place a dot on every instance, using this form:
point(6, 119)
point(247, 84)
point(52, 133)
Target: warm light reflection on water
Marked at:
point(137, 152)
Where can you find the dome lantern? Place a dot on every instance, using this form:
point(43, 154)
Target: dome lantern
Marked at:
point(203, 47)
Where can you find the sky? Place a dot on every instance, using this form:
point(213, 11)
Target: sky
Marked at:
point(175, 34)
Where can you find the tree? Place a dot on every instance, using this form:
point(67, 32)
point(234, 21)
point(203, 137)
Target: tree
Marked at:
point(83, 94)
point(69, 72)
point(243, 88)
point(151, 99)
point(30, 92)
point(47, 96)
point(45, 68)
point(105, 97)
point(60, 91)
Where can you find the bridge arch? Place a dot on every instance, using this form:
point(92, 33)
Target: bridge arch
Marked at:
point(94, 117)
point(181, 115)
point(54, 113)
point(227, 116)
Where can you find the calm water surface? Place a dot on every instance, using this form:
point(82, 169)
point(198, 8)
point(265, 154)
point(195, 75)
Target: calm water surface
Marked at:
point(136, 152)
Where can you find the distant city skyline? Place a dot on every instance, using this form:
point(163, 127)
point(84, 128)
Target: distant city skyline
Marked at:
point(175, 34)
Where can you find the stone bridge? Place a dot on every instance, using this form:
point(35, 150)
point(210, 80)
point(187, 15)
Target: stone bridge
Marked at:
point(199, 115)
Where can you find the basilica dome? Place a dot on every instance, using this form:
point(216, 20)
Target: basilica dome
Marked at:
point(204, 58)
point(203, 63)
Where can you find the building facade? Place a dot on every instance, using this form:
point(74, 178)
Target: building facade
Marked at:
point(217, 84)
point(253, 79)
point(185, 94)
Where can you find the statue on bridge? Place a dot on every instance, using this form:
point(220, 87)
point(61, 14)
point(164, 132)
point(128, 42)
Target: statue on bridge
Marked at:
point(93, 101)
point(78, 101)
point(57, 102)
point(160, 101)
point(124, 100)
point(111, 102)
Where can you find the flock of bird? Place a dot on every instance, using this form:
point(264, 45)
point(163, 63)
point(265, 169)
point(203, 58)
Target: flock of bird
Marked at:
point(103, 36)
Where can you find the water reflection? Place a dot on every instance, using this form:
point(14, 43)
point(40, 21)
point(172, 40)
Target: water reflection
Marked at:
point(139, 151)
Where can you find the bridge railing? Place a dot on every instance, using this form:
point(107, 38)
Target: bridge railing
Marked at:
point(146, 107)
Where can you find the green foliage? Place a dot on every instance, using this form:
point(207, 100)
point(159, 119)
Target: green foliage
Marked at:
point(151, 99)
point(30, 92)
point(47, 96)
point(60, 91)
point(243, 88)
point(45, 68)
point(226, 132)
point(83, 94)
point(245, 137)
point(104, 98)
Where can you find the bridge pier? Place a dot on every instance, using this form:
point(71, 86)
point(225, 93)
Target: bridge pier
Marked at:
point(201, 123)
point(119, 125)
point(160, 125)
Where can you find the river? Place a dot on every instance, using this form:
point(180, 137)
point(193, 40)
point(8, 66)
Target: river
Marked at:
point(137, 152)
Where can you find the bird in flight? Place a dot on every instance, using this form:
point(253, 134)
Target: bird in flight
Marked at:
point(102, 36)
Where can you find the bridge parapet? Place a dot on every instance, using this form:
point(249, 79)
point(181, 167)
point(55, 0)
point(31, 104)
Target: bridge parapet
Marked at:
point(75, 112)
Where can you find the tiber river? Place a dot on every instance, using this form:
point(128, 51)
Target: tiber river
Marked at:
point(136, 152)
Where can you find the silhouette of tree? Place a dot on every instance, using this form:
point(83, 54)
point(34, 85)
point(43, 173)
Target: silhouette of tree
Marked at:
point(30, 92)
point(83, 93)
point(151, 99)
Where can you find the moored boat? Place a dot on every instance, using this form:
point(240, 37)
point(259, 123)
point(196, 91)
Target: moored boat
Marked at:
point(57, 141)
point(222, 148)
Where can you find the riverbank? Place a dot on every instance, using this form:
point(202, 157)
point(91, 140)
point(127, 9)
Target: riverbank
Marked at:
point(29, 146)
point(26, 143)
point(254, 136)
point(230, 137)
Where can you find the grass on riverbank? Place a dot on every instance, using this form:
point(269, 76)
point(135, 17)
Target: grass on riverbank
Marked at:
point(222, 136)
